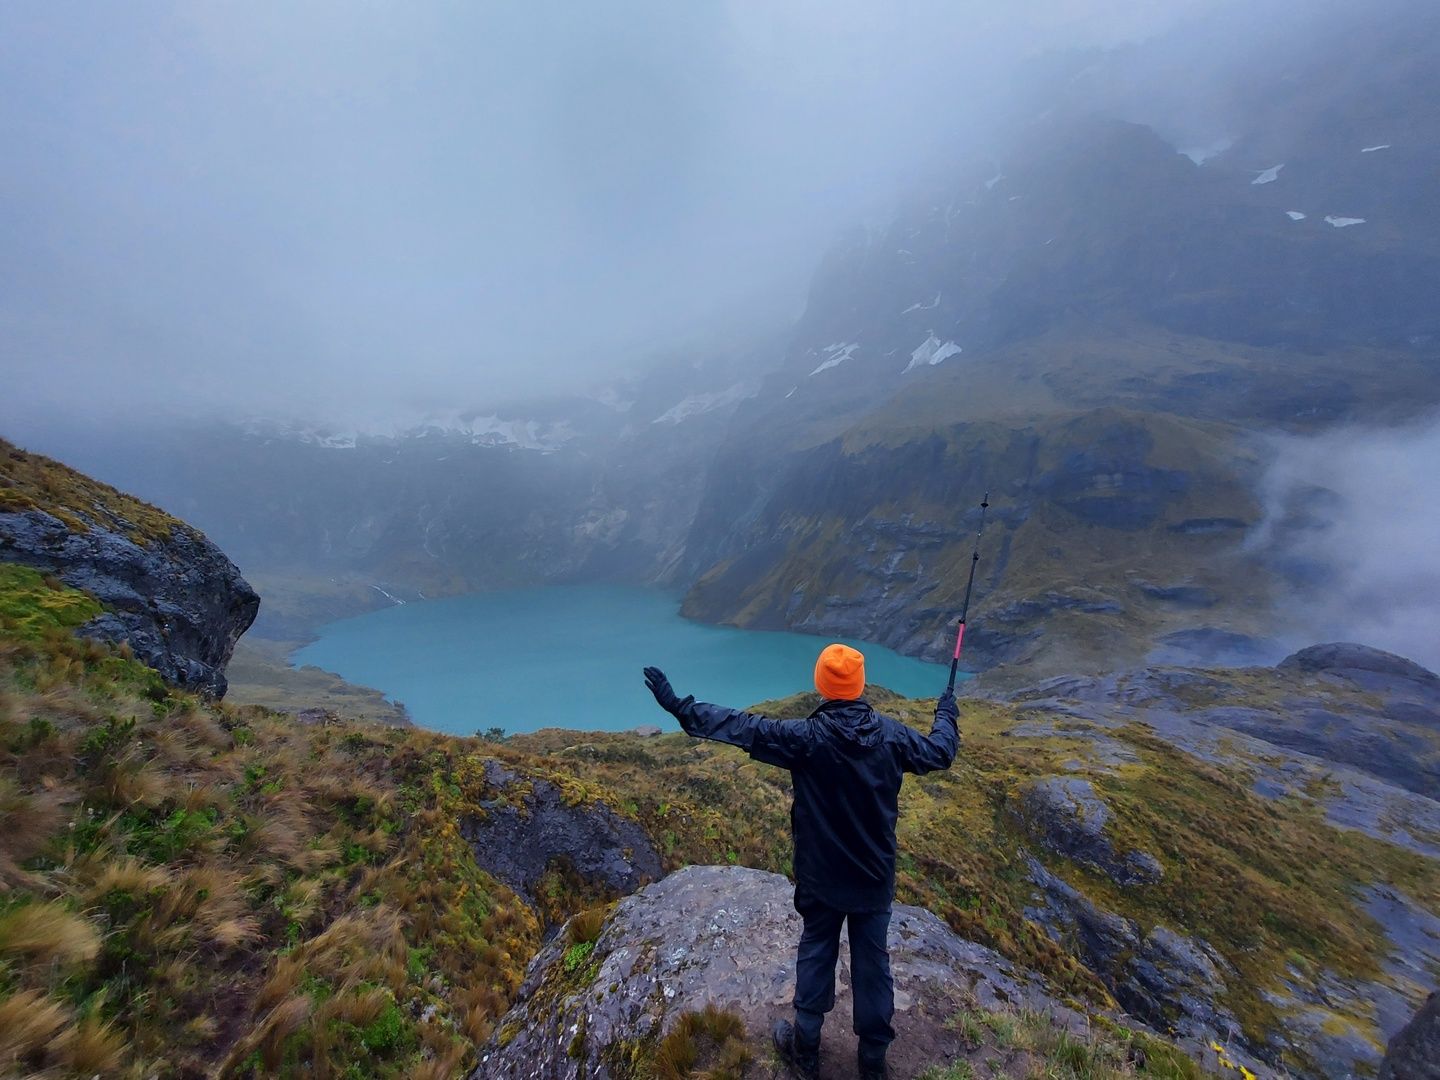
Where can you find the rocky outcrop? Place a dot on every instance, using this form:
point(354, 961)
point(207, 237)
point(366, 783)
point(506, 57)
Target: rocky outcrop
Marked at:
point(727, 935)
point(1388, 724)
point(527, 827)
point(1066, 815)
point(1355, 727)
point(1414, 1053)
point(1355, 662)
point(1322, 728)
point(1160, 977)
point(167, 590)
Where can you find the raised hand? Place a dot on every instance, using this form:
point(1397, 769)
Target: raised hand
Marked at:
point(659, 685)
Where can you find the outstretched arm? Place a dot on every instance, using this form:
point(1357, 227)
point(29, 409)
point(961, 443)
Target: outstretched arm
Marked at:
point(775, 742)
point(927, 753)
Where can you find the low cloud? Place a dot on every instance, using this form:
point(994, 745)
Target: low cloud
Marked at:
point(1352, 523)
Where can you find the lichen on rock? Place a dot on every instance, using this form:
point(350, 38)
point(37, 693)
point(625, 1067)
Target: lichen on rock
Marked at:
point(726, 935)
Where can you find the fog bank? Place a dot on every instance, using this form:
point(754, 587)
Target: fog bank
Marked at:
point(1352, 519)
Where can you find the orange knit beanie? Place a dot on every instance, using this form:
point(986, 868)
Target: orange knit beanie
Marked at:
point(840, 673)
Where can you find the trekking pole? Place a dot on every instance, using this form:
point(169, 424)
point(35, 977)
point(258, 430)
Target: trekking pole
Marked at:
point(965, 608)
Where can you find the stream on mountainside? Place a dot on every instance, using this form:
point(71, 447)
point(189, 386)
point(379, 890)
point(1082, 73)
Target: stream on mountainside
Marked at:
point(571, 656)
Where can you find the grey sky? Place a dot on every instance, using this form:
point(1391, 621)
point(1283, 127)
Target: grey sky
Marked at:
point(338, 206)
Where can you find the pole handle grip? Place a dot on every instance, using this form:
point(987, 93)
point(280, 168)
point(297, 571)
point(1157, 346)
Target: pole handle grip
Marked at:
point(955, 660)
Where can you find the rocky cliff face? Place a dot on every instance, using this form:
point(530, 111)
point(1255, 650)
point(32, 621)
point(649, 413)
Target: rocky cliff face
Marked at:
point(167, 591)
point(1094, 327)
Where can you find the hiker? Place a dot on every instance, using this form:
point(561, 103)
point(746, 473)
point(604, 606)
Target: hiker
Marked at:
point(847, 761)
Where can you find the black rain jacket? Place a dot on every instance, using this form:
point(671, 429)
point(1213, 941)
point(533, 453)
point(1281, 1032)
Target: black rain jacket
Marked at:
point(847, 761)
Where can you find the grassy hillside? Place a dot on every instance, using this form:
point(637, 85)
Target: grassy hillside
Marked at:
point(191, 888)
point(31, 481)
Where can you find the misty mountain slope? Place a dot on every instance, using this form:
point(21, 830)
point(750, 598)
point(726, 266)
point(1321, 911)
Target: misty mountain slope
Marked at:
point(1101, 329)
point(334, 520)
point(1104, 334)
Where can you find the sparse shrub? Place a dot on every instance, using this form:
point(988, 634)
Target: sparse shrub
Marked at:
point(586, 926)
point(708, 1043)
point(45, 933)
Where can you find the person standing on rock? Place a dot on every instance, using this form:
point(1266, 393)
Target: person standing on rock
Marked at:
point(847, 762)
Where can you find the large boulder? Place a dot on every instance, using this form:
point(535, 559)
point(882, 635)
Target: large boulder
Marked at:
point(726, 935)
point(167, 590)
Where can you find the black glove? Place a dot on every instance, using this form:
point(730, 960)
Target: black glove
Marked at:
point(659, 685)
point(946, 706)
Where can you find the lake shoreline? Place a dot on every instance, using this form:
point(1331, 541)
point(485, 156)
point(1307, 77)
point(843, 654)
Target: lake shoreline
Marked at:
point(570, 657)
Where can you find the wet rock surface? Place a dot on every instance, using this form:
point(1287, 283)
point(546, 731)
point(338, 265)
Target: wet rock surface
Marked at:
point(1162, 977)
point(179, 602)
point(1068, 817)
point(727, 935)
point(1353, 728)
point(528, 826)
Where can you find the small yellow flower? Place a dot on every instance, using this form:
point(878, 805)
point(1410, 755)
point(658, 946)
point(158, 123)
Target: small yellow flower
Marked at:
point(1217, 1047)
point(1246, 1074)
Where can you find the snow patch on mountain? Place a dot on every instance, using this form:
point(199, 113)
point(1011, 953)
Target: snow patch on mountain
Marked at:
point(932, 351)
point(696, 404)
point(1268, 176)
point(1372, 149)
point(917, 306)
point(836, 355)
point(517, 434)
point(990, 184)
point(1343, 222)
point(1295, 215)
point(492, 430)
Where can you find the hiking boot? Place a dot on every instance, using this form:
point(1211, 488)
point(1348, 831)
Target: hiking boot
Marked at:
point(871, 1069)
point(803, 1062)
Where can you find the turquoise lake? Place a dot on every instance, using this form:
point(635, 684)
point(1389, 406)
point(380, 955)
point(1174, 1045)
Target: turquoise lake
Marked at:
point(572, 657)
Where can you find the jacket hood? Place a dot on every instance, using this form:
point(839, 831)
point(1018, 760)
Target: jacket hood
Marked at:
point(854, 724)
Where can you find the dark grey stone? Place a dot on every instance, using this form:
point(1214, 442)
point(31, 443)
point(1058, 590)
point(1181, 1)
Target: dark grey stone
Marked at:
point(1162, 978)
point(1066, 815)
point(179, 602)
point(527, 826)
point(1414, 1053)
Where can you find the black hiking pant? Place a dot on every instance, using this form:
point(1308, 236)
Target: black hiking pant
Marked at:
point(870, 983)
